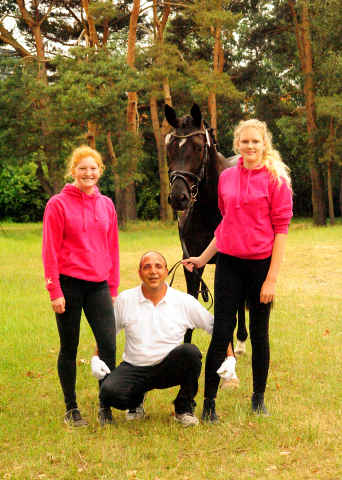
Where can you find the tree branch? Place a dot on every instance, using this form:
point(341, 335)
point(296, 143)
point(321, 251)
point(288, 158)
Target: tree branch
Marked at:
point(7, 38)
point(295, 92)
point(299, 41)
point(48, 11)
point(298, 109)
point(162, 4)
point(74, 15)
point(26, 16)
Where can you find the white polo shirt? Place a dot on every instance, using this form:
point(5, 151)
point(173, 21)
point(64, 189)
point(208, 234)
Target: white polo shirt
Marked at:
point(153, 331)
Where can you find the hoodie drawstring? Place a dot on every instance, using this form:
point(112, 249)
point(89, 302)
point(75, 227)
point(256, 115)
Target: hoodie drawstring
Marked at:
point(95, 207)
point(84, 214)
point(239, 188)
point(246, 194)
point(84, 211)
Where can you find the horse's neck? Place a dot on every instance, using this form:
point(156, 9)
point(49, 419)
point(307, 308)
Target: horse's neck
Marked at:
point(215, 167)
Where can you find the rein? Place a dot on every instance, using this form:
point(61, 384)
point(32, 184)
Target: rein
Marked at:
point(193, 191)
point(204, 289)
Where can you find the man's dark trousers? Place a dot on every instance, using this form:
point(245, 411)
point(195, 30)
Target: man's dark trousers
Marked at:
point(124, 387)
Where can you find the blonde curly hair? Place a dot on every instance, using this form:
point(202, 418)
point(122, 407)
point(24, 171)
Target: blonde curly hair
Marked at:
point(79, 154)
point(271, 158)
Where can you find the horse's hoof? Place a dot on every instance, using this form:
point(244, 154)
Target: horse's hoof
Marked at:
point(240, 348)
point(230, 384)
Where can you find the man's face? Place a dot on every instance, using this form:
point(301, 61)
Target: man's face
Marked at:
point(153, 271)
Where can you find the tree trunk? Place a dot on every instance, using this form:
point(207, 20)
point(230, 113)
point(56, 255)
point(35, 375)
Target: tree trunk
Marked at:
point(43, 180)
point(305, 51)
point(56, 178)
point(119, 197)
point(218, 69)
point(331, 152)
point(94, 41)
point(91, 41)
point(341, 196)
point(165, 212)
point(132, 109)
point(330, 196)
point(91, 134)
point(212, 111)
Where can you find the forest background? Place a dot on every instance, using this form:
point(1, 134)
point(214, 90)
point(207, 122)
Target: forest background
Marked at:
point(99, 72)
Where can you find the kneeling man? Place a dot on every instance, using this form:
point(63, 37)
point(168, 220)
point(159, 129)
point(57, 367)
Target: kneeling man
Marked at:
point(155, 318)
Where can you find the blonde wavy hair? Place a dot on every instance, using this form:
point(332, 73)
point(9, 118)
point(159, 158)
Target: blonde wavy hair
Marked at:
point(79, 154)
point(271, 158)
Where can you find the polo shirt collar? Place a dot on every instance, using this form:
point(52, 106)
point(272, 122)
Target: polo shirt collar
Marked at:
point(143, 299)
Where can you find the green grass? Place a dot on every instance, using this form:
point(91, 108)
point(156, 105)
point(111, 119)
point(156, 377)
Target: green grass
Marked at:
point(301, 440)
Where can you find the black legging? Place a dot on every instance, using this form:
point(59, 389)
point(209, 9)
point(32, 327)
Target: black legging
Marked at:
point(96, 301)
point(235, 278)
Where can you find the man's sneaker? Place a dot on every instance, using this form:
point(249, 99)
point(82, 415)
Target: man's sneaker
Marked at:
point(136, 413)
point(105, 417)
point(186, 419)
point(258, 406)
point(73, 418)
point(209, 415)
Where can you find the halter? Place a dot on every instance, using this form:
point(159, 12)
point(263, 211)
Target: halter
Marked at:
point(193, 190)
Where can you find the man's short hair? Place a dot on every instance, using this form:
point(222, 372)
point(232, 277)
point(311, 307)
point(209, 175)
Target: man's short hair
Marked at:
point(152, 251)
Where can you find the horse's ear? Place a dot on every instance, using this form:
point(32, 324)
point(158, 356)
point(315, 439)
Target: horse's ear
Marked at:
point(196, 114)
point(171, 116)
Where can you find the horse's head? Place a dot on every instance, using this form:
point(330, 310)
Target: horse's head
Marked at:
point(187, 154)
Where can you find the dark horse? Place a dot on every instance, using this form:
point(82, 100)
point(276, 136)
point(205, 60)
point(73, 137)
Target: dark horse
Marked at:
point(195, 165)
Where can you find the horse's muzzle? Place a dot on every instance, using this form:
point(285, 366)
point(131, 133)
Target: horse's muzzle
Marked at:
point(179, 203)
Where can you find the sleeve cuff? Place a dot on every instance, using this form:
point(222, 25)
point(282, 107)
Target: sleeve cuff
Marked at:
point(113, 291)
point(281, 229)
point(56, 293)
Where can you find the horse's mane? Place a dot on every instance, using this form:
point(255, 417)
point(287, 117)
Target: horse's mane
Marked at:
point(212, 134)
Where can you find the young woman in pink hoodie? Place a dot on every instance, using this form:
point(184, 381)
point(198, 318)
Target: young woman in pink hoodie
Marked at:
point(81, 264)
point(255, 199)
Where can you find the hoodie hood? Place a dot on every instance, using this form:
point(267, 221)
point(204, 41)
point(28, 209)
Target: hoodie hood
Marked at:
point(75, 192)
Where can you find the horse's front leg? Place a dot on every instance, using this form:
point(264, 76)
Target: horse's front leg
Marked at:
point(240, 348)
point(192, 288)
point(242, 334)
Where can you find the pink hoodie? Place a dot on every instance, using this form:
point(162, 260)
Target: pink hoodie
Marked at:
point(80, 239)
point(254, 208)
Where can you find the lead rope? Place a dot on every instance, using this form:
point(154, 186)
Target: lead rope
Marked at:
point(205, 292)
point(204, 289)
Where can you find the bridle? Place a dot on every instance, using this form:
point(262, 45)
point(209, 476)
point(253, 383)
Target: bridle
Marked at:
point(182, 174)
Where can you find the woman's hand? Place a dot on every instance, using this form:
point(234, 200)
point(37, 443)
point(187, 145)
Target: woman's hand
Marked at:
point(203, 259)
point(190, 263)
point(267, 291)
point(58, 305)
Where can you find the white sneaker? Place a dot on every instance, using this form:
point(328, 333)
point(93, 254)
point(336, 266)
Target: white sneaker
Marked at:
point(186, 419)
point(136, 413)
point(240, 348)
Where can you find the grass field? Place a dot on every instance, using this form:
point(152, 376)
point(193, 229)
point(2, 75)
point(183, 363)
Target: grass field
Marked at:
point(301, 440)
